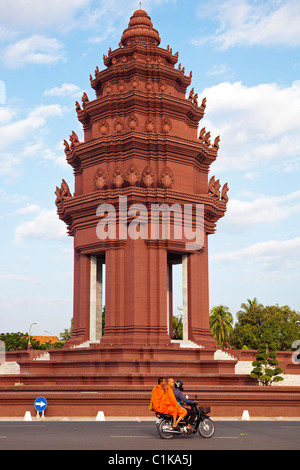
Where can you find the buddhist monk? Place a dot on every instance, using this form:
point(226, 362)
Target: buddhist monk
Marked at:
point(170, 406)
point(157, 394)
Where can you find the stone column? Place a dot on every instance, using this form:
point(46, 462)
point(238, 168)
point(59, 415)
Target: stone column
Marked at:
point(95, 299)
point(170, 300)
point(185, 297)
point(136, 295)
point(198, 298)
point(81, 313)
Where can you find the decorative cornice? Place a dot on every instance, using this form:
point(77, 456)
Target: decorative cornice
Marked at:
point(107, 146)
point(79, 212)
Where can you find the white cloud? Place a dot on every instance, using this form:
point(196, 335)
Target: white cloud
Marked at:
point(16, 132)
point(273, 255)
point(45, 226)
point(261, 211)
point(28, 208)
point(35, 49)
point(4, 276)
point(23, 15)
point(219, 69)
point(95, 16)
point(257, 125)
point(6, 114)
point(67, 89)
point(20, 129)
point(38, 147)
point(246, 22)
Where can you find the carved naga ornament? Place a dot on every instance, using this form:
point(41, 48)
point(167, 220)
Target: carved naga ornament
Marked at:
point(62, 193)
point(214, 189)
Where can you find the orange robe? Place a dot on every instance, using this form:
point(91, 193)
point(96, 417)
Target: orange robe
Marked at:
point(170, 406)
point(157, 395)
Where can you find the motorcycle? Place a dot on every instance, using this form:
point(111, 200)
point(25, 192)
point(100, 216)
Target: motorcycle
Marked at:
point(203, 424)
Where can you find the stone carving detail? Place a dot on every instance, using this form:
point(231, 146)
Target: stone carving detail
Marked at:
point(214, 187)
point(100, 178)
point(193, 97)
point(133, 174)
point(204, 137)
point(132, 122)
point(201, 135)
point(216, 142)
point(166, 125)
point(148, 176)
point(134, 83)
point(67, 147)
point(108, 88)
point(62, 193)
point(118, 125)
point(121, 86)
point(149, 85)
point(162, 86)
point(150, 124)
point(74, 140)
point(84, 99)
point(224, 196)
point(118, 177)
point(167, 177)
point(103, 127)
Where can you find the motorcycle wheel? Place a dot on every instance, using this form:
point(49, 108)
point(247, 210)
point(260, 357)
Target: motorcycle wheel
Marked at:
point(206, 428)
point(162, 428)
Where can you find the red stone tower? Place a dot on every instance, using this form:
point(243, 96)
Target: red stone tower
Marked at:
point(141, 150)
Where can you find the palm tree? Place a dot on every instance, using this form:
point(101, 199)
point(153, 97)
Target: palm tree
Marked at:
point(220, 322)
point(252, 305)
point(250, 312)
point(177, 327)
point(66, 334)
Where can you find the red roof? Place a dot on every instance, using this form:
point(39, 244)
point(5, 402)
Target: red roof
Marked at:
point(46, 339)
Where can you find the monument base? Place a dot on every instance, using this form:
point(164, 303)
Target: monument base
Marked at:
point(118, 381)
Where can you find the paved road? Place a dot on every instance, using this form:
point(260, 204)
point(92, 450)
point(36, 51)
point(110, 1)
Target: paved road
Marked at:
point(133, 435)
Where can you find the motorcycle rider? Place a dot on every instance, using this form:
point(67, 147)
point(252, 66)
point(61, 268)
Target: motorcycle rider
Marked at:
point(182, 400)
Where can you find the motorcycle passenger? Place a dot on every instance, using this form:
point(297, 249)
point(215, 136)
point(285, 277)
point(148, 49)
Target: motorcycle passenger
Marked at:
point(171, 405)
point(182, 400)
point(164, 401)
point(158, 393)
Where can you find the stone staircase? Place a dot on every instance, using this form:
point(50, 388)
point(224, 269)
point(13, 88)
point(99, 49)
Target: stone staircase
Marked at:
point(241, 367)
point(9, 368)
point(186, 344)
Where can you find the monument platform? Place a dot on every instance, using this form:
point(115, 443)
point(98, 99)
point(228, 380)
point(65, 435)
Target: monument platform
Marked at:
point(118, 381)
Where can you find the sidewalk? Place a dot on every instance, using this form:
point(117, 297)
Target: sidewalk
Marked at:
point(136, 418)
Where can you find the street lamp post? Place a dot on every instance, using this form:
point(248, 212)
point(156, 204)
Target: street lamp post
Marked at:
point(34, 323)
point(49, 332)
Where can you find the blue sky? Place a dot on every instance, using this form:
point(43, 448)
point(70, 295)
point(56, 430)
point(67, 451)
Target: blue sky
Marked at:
point(245, 58)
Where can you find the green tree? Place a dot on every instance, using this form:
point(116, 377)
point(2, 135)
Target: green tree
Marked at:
point(265, 370)
point(66, 334)
point(19, 341)
point(257, 324)
point(177, 327)
point(220, 322)
point(103, 319)
point(250, 312)
point(15, 341)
